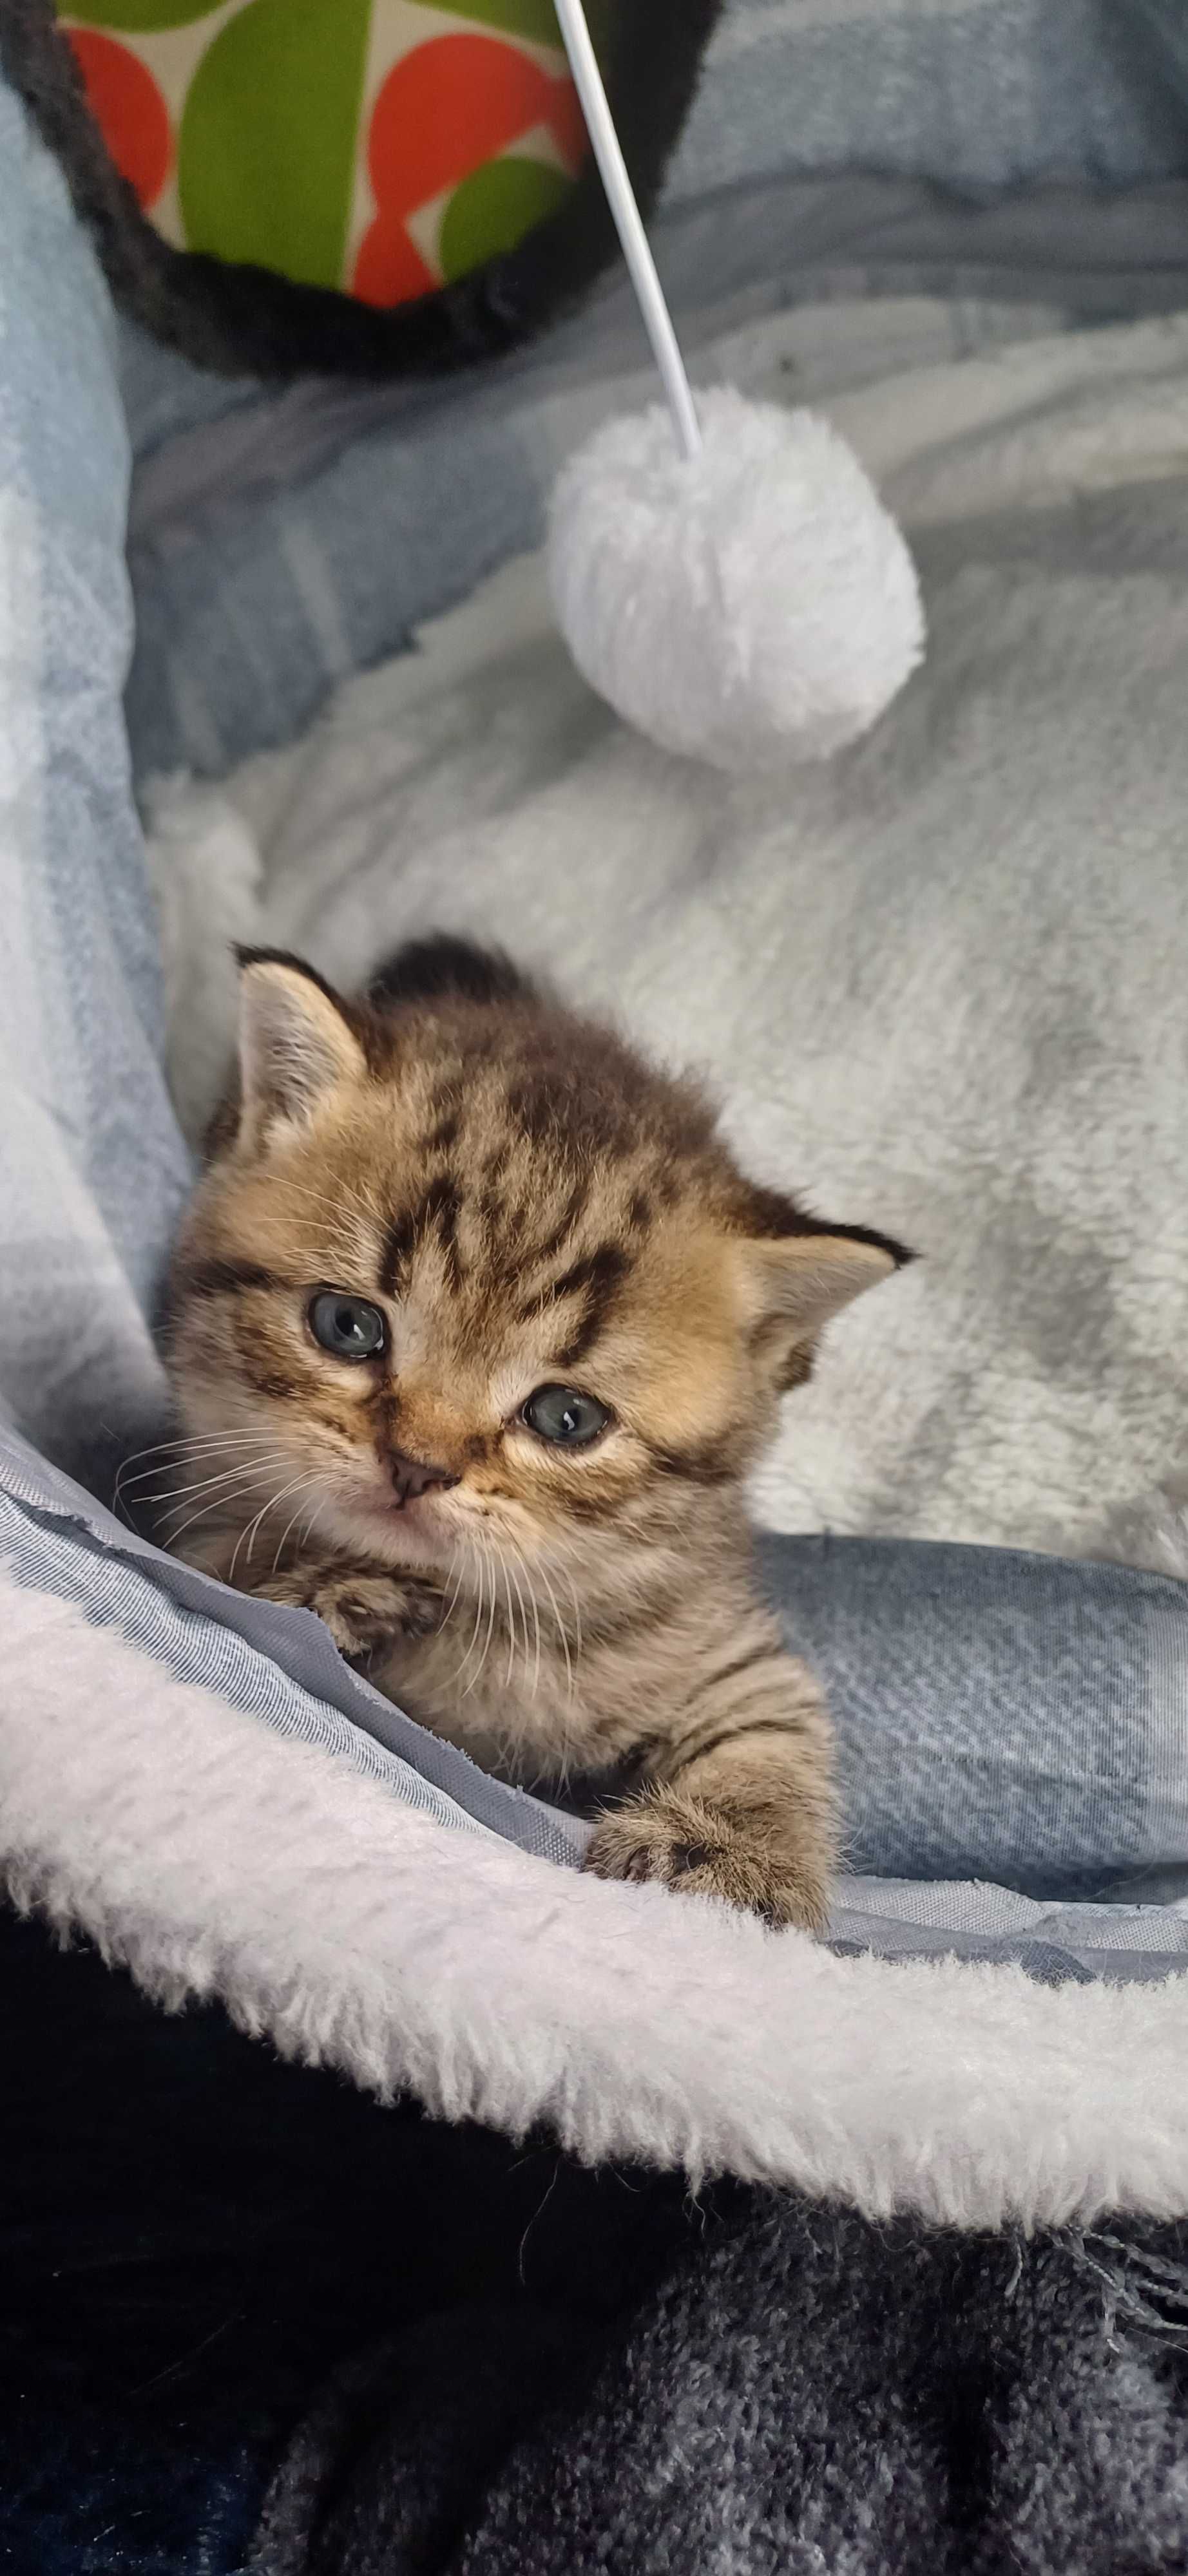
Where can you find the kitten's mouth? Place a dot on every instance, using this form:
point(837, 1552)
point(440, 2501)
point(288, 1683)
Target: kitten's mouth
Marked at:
point(414, 1520)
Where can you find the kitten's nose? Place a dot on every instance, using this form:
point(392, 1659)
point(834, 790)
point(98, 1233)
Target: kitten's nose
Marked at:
point(414, 1476)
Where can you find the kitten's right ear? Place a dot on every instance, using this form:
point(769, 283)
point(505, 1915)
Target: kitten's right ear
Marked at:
point(296, 1042)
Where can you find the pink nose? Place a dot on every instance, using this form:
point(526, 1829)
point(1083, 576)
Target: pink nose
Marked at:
point(412, 1477)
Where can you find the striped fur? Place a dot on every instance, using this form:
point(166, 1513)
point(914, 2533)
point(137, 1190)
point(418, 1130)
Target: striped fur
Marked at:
point(525, 1203)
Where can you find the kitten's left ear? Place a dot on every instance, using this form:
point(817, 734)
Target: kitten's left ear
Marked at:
point(794, 1283)
point(296, 1042)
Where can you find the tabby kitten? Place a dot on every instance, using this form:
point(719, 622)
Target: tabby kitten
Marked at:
point(482, 1330)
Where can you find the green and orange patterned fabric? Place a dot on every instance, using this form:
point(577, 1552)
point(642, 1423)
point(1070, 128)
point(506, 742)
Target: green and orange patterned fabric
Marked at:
point(381, 147)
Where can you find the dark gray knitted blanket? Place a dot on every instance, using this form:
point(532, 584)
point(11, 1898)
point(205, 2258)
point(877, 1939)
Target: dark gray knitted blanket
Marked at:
point(806, 2394)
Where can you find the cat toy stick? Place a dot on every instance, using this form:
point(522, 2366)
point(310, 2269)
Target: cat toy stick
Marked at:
point(723, 572)
point(628, 222)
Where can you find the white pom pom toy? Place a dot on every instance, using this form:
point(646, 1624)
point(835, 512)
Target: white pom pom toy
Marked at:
point(749, 604)
point(723, 572)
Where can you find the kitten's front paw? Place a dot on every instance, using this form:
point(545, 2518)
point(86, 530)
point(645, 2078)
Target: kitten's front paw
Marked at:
point(689, 1845)
point(362, 1611)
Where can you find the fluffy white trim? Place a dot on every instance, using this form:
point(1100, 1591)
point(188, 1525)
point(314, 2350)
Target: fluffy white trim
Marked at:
point(214, 1859)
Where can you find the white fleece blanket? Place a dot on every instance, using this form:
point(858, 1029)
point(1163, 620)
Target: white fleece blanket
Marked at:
point(939, 984)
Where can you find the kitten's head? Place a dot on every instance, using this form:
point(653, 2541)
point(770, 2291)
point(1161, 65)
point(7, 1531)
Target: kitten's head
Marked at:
point(468, 1279)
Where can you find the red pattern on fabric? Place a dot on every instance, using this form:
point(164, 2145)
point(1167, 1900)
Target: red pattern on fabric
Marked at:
point(128, 109)
point(443, 111)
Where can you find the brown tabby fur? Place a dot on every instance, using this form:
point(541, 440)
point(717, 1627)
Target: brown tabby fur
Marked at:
point(527, 1203)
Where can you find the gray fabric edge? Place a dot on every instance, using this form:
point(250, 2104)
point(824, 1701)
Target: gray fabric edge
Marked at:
point(306, 1652)
point(57, 1558)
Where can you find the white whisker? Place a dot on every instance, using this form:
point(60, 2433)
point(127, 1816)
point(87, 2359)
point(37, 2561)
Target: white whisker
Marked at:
point(194, 1441)
point(298, 1484)
point(511, 1621)
point(577, 1613)
point(270, 1457)
point(477, 1618)
point(478, 1672)
point(185, 1453)
point(453, 1586)
point(519, 1553)
point(206, 1511)
point(484, 1568)
point(536, 1620)
point(263, 1457)
point(560, 1629)
point(249, 1532)
point(512, 1568)
point(294, 1516)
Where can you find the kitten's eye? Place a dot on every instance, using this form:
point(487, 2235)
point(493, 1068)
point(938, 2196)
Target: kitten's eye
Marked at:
point(347, 1326)
point(559, 1414)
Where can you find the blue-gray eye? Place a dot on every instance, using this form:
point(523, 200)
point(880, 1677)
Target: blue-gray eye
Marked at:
point(348, 1327)
point(559, 1414)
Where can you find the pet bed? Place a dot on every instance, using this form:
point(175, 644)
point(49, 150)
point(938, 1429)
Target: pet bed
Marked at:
point(196, 1782)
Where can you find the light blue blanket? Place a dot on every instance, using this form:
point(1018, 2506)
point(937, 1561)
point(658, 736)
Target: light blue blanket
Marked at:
point(92, 1167)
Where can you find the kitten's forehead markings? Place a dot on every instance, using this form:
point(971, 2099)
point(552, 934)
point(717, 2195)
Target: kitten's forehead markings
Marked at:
point(578, 1301)
point(565, 1222)
point(432, 1215)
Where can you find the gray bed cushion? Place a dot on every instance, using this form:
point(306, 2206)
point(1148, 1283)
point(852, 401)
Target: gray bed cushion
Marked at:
point(977, 94)
point(1001, 1716)
point(1164, 24)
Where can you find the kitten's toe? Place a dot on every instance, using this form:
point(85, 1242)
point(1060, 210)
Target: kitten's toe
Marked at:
point(353, 1625)
point(686, 1845)
point(366, 1614)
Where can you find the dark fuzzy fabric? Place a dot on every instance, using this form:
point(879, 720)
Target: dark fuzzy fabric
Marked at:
point(245, 320)
point(577, 2371)
point(805, 2396)
point(193, 2236)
